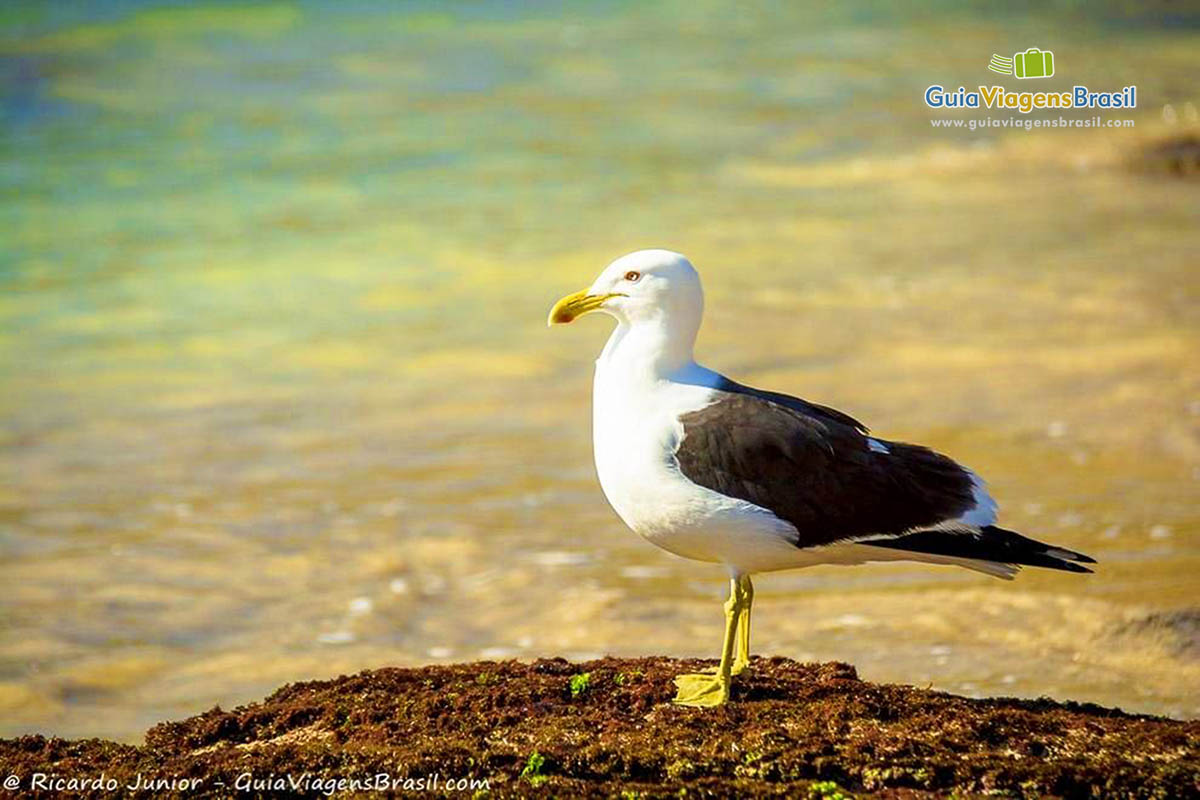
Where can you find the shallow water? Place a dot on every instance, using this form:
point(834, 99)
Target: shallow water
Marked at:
point(280, 401)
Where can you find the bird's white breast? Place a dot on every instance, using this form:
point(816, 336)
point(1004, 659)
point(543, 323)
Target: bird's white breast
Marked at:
point(635, 435)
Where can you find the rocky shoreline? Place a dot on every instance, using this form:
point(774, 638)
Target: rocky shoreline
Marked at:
point(606, 728)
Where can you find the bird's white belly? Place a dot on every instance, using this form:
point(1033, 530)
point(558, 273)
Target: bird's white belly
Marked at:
point(635, 461)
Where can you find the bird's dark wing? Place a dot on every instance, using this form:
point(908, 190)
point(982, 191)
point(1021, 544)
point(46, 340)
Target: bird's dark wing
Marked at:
point(815, 468)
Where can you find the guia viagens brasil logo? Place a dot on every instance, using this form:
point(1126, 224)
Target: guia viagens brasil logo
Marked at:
point(1033, 63)
point(1030, 63)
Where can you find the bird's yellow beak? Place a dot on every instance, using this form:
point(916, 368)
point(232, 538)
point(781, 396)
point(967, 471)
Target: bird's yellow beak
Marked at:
point(576, 305)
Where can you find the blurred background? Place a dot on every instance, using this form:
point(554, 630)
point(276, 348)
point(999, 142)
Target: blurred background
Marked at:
point(279, 400)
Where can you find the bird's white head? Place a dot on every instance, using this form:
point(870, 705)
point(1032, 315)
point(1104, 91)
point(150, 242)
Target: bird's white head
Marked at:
point(645, 287)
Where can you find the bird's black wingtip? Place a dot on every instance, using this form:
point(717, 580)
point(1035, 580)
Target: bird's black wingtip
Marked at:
point(1070, 566)
point(990, 543)
point(1068, 555)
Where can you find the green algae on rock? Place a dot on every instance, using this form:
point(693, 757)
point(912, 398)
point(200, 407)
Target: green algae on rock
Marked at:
point(515, 729)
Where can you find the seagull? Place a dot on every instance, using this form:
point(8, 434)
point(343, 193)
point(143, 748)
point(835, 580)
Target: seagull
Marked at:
point(756, 481)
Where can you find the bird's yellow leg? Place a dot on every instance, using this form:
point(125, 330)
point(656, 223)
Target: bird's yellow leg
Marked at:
point(743, 589)
point(742, 660)
point(707, 689)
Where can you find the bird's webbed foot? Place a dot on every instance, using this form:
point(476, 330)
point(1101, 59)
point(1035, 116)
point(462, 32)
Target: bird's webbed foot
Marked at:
point(701, 689)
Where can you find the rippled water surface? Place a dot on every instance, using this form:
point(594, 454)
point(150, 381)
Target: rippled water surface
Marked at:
point(279, 400)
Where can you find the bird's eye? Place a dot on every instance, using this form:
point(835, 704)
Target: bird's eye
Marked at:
point(632, 276)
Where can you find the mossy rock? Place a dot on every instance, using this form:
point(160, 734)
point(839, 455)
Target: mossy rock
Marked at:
point(540, 729)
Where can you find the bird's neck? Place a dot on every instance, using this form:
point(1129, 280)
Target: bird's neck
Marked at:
point(647, 351)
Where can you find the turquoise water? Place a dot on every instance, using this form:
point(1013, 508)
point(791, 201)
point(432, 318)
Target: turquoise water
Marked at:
point(279, 399)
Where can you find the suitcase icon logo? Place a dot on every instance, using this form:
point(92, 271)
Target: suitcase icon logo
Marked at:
point(1033, 63)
